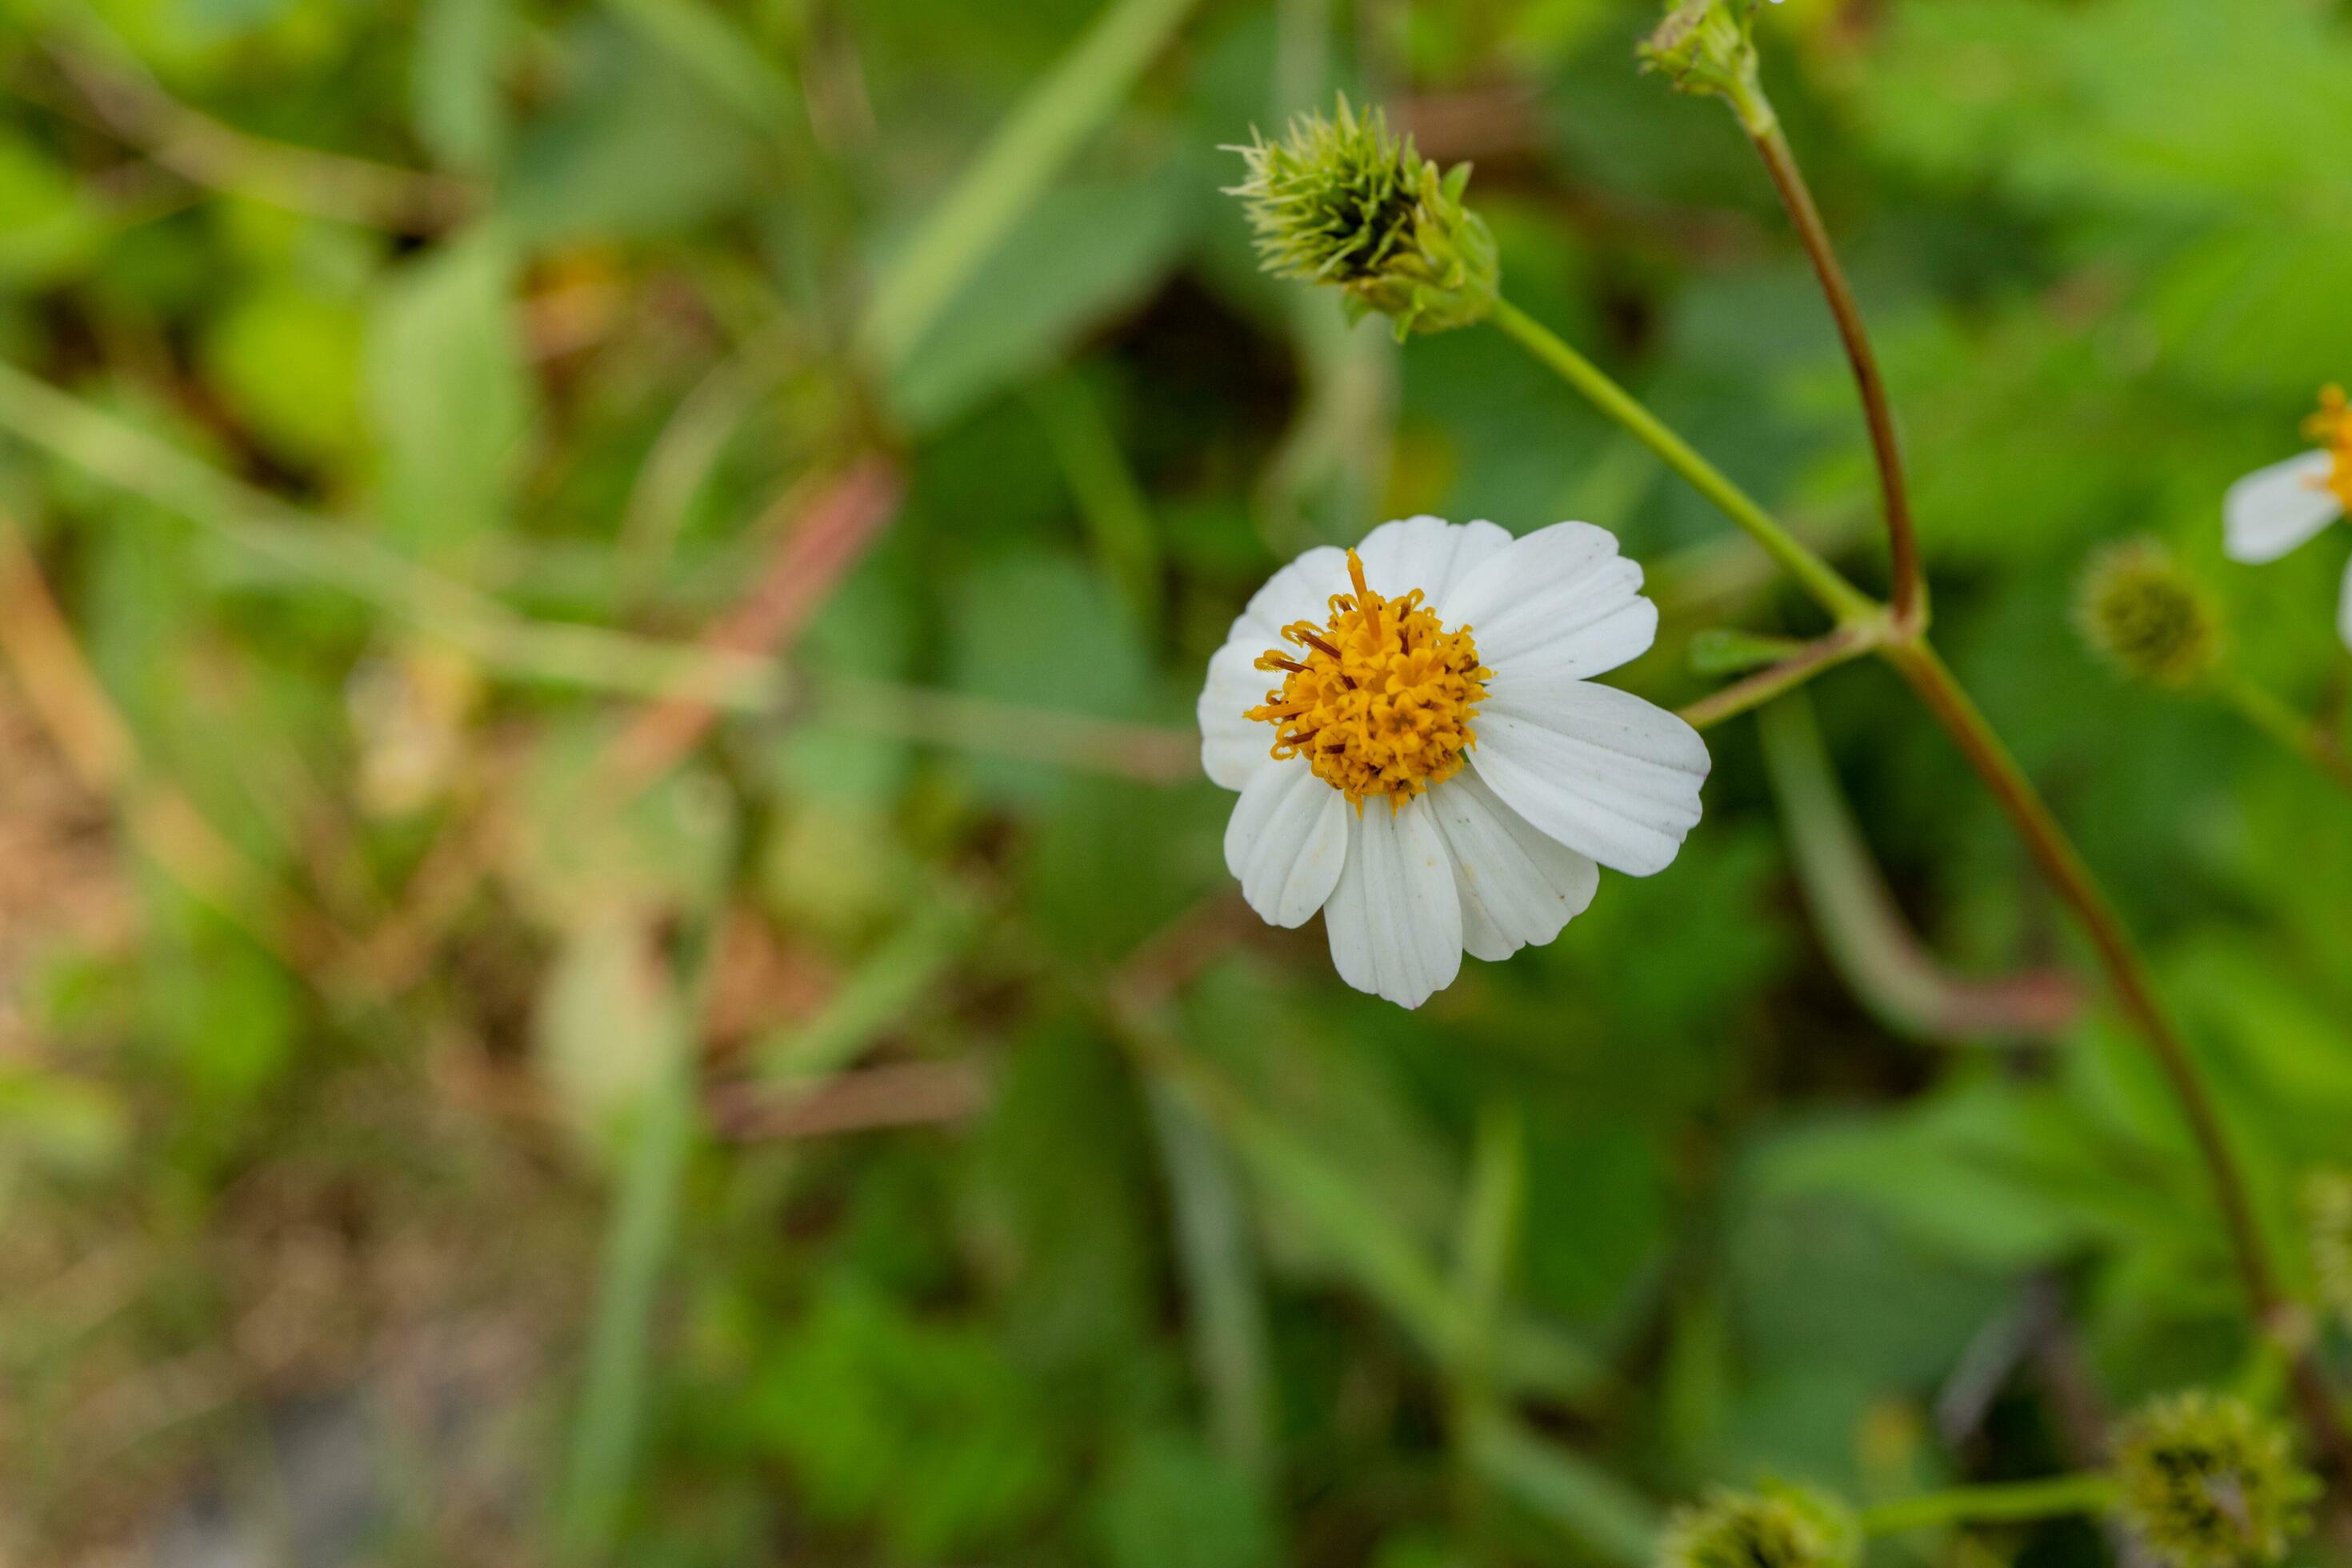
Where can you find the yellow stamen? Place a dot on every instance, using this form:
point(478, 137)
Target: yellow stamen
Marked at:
point(1379, 699)
point(2331, 428)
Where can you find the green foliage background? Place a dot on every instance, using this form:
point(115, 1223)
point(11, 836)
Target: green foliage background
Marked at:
point(874, 1137)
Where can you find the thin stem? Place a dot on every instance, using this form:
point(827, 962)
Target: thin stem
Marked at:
point(2002, 1502)
point(2265, 711)
point(1910, 596)
point(1822, 654)
point(2127, 971)
point(1828, 587)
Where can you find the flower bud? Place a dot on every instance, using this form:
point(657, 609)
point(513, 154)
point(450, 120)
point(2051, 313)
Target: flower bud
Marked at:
point(2328, 1207)
point(2207, 1482)
point(1345, 202)
point(1779, 1527)
point(1708, 46)
point(2142, 614)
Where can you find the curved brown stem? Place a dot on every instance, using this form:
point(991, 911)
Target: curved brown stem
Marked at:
point(1910, 591)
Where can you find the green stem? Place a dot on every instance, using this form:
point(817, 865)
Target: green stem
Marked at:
point(1828, 587)
point(2003, 1502)
point(2265, 711)
point(1822, 654)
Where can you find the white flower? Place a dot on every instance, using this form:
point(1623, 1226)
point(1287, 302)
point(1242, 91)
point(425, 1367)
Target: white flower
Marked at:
point(2273, 510)
point(1430, 647)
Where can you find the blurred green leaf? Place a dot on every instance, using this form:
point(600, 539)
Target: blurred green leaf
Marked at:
point(449, 395)
point(1082, 253)
point(454, 93)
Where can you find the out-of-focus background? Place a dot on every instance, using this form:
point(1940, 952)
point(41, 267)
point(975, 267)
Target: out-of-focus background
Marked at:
point(610, 947)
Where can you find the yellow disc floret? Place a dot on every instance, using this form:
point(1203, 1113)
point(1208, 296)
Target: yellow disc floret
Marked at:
point(2331, 428)
point(1377, 699)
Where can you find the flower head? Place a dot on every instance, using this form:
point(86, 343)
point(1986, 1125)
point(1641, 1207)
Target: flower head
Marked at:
point(2271, 510)
point(1423, 755)
point(1780, 1527)
point(2327, 1209)
point(2141, 613)
point(2207, 1482)
point(1708, 46)
point(1346, 203)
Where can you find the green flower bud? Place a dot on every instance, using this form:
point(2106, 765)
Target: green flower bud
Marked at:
point(2327, 1206)
point(2142, 614)
point(1345, 202)
point(1708, 46)
point(1779, 1527)
point(2206, 1481)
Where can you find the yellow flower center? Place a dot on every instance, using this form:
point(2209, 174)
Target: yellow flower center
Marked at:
point(1378, 697)
point(2331, 428)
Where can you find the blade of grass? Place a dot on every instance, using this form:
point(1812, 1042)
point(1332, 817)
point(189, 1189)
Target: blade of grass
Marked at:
point(1031, 145)
point(638, 1241)
point(1491, 1212)
point(878, 993)
point(131, 105)
point(715, 52)
point(1110, 503)
point(1227, 1312)
point(1601, 1513)
point(1863, 931)
point(1368, 1244)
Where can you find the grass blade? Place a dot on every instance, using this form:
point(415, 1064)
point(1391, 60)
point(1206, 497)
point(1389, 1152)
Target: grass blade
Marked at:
point(1043, 130)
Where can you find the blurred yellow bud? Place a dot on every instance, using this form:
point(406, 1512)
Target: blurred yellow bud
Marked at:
point(2206, 1481)
point(2144, 615)
point(1779, 1527)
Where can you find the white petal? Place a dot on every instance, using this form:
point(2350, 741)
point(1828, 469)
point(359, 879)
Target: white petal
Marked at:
point(1287, 841)
point(1599, 769)
point(2344, 609)
point(1428, 554)
point(1232, 748)
point(2273, 510)
point(1518, 887)
point(1299, 592)
point(1394, 919)
point(1559, 604)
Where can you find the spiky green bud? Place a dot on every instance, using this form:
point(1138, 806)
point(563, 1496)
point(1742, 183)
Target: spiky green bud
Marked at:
point(1780, 1526)
point(1344, 201)
point(2327, 1210)
point(2207, 1482)
point(2138, 611)
point(1708, 47)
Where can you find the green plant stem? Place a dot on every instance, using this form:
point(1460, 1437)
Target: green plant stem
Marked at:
point(2004, 1502)
point(1910, 585)
point(2127, 971)
point(1828, 587)
point(2265, 711)
point(1823, 653)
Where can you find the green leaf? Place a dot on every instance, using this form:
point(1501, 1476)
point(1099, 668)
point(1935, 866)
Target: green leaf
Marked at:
point(1085, 252)
point(454, 88)
point(289, 362)
point(450, 395)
